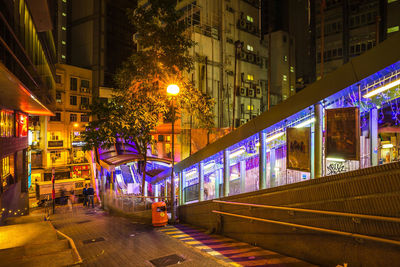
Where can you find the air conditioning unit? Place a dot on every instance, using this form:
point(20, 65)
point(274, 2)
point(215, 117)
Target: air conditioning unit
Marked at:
point(250, 57)
point(243, 55)
point(258, 92)
point(243, 91)
point(251, 92)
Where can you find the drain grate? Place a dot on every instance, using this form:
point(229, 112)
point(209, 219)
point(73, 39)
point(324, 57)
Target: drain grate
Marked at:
point(167, 260)
point(93, 240)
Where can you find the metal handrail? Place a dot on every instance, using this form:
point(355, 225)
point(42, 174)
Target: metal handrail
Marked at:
point(324, 230)
point(332, 213)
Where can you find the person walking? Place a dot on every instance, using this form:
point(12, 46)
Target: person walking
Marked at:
point(85, 196)
point(90, 193)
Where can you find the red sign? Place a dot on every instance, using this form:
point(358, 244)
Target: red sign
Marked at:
point(22, 125)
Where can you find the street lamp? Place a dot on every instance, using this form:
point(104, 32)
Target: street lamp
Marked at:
point(173, 90)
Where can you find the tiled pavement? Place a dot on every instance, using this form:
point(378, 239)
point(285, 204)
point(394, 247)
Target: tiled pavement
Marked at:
point(105, 240)
point(229, 251)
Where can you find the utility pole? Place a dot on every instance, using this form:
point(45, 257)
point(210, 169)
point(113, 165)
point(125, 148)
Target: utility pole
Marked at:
point(238, 46)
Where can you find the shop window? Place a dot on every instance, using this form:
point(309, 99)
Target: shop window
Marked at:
point(84, 118)
point(7, 174)
point(73, 100)
point(73, 117)
point(57, 117)
point(74, 84)
point(7, 124)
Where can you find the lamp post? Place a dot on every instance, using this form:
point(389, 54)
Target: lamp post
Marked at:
point(173, 90)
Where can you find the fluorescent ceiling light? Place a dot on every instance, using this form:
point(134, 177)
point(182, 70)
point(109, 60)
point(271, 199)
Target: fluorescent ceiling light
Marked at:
point(336, 159)
point(382, 89)
point(237, 153)
point(305, 123)
point(191, 173)
point(387, 146)
point(275, 136)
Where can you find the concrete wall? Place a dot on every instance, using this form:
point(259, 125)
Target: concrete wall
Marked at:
point(374, 191)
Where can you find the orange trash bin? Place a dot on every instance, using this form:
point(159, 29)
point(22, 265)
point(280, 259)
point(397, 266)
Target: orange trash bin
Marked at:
point(159, 214)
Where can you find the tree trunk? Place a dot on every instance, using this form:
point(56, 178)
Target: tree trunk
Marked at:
point(144, 175)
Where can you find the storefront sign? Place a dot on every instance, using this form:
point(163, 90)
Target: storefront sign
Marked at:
point(55, 143)
point(343, 133)
point(78, 143)
point(298, 149)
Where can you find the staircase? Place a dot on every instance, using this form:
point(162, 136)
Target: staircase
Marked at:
point(35, 244)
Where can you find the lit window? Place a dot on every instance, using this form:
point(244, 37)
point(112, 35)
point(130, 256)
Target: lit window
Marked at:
point(63, 28)
point(168, 138)
point(291, 69)
point(393, 29)
point(250, 77)
point(284, 78)
point(63, 56)
point(64, 42)
point(250, 107)
point(250, 19)
point(64, 14)
point(64, 1)
point(285, 58)
point(250, 48)
point(391, 1)
point(292, 88)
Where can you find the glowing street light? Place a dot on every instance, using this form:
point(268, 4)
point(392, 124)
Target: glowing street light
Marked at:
point(173, 90)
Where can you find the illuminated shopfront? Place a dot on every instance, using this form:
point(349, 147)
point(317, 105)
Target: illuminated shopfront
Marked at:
point(356, 127)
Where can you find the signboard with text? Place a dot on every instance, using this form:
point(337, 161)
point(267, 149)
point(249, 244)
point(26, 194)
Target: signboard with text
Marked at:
point(343, 133)
point(58, 143)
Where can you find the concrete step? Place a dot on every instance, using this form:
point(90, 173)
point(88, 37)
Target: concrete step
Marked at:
point(60, 258)
point(32, 250)
point(19, 235)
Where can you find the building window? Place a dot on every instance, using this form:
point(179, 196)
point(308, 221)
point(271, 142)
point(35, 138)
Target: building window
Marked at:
point(285, 58)
point(250, 77)
point(393, 29)
point(63, 28)
point(73, 117)
point(57, 117)
point(64, 42)
point(73, 100)
point(84, 101)
point(58, 97)
point(284, 77)
point(391, 1)
point(58, 78)
point(85, 83)
point(250, 107)
point(250, 48)
point(7, 125)
point(74, 84)
point(84, 118)
point(250, 18)
point(64, 14)
point(291, 69)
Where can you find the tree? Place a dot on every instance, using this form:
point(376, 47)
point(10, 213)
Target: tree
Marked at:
point(161, 59)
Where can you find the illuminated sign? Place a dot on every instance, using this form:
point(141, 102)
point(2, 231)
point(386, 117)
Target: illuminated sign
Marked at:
point(78, 143)
point(58, 143)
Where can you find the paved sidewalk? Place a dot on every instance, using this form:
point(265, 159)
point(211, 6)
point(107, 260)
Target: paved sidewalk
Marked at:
point(104, 240)
point(230, 251)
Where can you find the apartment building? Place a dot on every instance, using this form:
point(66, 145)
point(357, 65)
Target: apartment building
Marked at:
point(352, 27)
point(60, 136)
